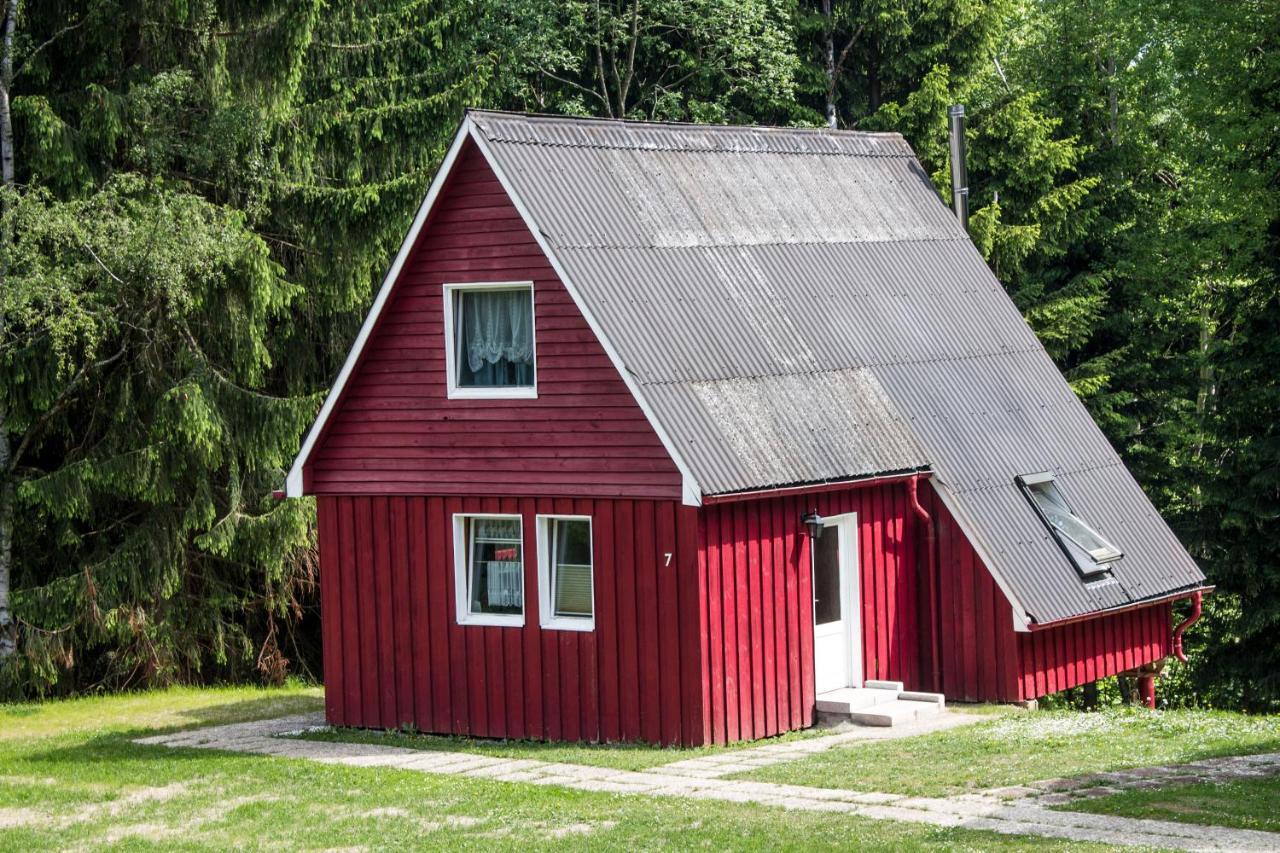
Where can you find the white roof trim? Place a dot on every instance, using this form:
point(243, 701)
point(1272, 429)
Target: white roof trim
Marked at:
point(691, 494)
point(1021, 622)
point(293, 484)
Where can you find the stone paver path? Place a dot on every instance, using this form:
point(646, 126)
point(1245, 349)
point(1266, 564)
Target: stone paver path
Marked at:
point(1008, 812)
point(732, 761)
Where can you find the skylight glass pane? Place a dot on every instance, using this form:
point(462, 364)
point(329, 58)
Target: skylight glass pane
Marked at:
point(1064, 521)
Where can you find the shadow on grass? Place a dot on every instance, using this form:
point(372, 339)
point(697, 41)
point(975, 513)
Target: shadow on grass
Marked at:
point(245, 710)
point(118, 745)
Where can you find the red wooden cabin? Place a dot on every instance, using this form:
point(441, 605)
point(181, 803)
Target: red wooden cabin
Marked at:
point(655, 432)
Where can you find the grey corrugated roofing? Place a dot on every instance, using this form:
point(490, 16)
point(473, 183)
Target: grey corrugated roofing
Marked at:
point(798, 306)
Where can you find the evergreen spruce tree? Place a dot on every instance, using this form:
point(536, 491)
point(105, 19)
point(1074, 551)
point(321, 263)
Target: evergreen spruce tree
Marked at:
point(206, 194)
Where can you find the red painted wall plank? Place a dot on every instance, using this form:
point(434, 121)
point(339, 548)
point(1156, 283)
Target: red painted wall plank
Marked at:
point(667, 624)
point(351, 684)
point(399, 547)
point(330, 612)
point(607, 628)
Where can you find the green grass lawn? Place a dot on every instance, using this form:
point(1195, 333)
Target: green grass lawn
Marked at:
point(1022, 747)
point(1246, 804)
point(71, 778)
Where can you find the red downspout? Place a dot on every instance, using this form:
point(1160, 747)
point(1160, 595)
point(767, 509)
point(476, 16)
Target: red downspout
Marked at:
point(913, 486)
point(1147, 691)
point(1197, 598)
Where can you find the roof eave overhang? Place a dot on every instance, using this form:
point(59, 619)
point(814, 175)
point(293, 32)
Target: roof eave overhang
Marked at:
point(1205, 589)
point(815, 487)
point(691, 493)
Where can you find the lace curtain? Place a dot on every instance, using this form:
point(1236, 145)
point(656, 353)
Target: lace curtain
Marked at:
point(497, 582)
point(497, 337)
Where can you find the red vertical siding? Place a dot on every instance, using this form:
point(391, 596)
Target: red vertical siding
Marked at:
point(1069, 655)
point(759, 608)
point(715, 646)
point(395, 654)
point(395, 432)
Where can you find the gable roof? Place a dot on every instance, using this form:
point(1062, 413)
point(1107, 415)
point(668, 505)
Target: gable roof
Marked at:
point(795, 306)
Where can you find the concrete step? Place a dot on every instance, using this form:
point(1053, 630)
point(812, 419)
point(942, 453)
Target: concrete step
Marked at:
point(849, 699)
point(916, 696)
point(883, 685)
point(879, 703)
point(895, 713)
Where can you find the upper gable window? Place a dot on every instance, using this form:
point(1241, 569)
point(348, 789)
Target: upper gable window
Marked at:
point(1088, 549)
point(489, 340)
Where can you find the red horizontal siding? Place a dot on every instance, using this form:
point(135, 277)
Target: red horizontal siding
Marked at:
point(758, 615)
point(395, 655)
point(395, 431)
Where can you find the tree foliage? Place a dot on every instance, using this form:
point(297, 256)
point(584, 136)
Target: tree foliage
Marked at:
point(205, 195)
point(207, 192)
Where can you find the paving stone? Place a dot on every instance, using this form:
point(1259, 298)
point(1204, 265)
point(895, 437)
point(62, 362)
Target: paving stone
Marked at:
point(700, 774)
point(518, 776)
point(500, 768)
point(875, 797)
point(727, 768)
point(1182, 779)
point(728, 794)
point(1009, 791)
point(607, 786)
point(911, 815)
point(1095, 791)
point(554, 779)
point(957, 807)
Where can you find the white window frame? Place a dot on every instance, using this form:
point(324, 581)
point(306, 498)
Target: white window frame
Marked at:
point(1089, 563)
point(462, 577)
point(546, 607)
point(455, 392)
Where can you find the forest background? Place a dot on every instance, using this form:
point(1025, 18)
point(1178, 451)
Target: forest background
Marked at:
point(199, 198)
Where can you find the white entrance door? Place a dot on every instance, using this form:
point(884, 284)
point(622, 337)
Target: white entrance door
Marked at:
point(837, 647)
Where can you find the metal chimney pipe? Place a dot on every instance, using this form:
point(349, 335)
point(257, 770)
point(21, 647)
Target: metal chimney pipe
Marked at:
point(959, 174)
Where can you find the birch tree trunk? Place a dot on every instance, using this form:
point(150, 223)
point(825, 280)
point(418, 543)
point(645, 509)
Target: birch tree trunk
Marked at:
point(829, 61)
point(8, 637)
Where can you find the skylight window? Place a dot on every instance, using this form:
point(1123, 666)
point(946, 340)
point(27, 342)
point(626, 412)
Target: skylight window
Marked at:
point(1086, 547)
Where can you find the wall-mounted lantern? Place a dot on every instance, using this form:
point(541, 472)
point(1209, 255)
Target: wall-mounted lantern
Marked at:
point(815, 523)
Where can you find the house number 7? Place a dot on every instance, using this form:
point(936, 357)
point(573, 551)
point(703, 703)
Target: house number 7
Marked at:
point(668, 556)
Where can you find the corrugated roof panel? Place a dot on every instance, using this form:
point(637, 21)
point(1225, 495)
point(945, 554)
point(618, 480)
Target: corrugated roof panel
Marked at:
point(800, 306)
point(781, 430)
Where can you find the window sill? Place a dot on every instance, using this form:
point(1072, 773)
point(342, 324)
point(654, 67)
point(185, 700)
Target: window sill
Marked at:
point(530, 393)
point(492, 620)
point(569, 623)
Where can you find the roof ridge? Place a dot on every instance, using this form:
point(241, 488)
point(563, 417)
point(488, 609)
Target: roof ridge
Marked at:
point(958, 237)
point(817, 131)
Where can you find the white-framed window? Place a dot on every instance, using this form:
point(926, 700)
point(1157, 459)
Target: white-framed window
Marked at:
point(490, 348)
point(566, 585)
point(488, 569)
point(1088, 549)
